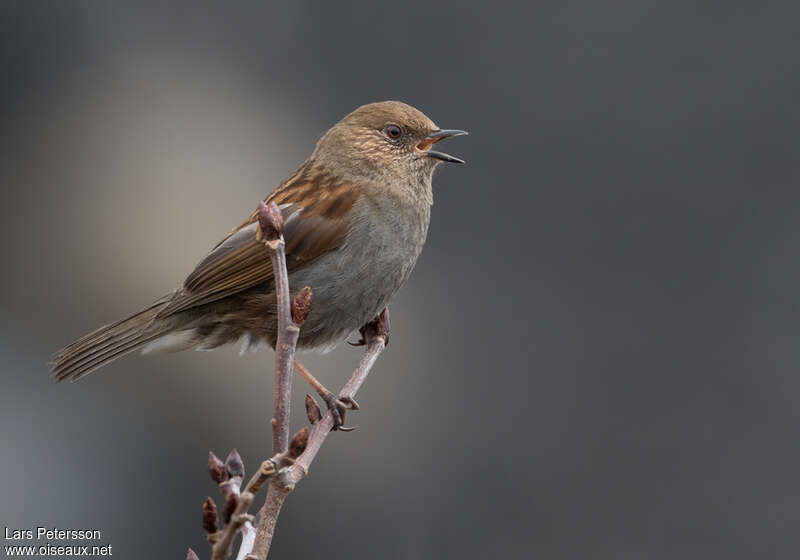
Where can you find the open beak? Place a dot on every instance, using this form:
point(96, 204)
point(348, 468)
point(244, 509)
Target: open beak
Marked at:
point(425, 145)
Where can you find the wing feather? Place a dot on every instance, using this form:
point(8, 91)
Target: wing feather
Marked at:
point(316, 208)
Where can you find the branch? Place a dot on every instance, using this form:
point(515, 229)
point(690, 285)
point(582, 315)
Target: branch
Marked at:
point(375, 337)
point(270, 221)
point(291, 460)
point(222, 548)
point(229, 476)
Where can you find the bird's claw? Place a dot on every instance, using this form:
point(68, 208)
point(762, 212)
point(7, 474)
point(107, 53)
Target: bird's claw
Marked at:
point(338, 407)
point(379, 326)
point(350, 402)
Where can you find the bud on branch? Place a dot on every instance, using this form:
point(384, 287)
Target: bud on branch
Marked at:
point(312, 410)
point(210, 516)
point(270, 221)
point(234, 464)
point(301, 306)
point(216, 469)
point(298, 443)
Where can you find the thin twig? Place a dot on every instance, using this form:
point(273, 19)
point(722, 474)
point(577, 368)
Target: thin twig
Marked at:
point(229, 476)
point(375, 336)
point(222, 548)
point(271, 232)
point(266, 470)
point(291, 460)
point(375, 345)
point(248, 540)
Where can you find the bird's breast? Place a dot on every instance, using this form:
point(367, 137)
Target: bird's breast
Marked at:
point(354, 282)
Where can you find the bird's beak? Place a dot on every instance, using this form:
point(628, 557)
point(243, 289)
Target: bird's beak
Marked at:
point(425, 145)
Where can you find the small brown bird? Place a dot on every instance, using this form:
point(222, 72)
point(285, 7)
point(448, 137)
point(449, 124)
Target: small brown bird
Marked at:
point(356, 216)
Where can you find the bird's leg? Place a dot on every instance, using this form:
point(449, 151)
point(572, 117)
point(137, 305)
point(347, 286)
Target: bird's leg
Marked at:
point(337, 405)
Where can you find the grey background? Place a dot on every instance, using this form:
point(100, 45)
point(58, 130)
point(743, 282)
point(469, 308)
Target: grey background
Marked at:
point(595, 357)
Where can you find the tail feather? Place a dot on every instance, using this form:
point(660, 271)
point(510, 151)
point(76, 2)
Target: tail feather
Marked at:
point(88, 364)
point(107, 343)
point(67, 358)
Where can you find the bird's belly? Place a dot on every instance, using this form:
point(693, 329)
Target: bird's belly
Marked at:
point(350, 287)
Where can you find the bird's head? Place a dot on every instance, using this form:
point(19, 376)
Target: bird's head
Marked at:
point(385, 140)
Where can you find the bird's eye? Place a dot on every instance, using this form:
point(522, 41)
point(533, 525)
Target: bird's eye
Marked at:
point(392, 131)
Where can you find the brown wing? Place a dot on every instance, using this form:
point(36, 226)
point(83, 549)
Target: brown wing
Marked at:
point(316, 209)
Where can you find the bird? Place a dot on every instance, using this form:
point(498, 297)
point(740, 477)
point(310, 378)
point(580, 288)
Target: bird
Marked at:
point(356, 216)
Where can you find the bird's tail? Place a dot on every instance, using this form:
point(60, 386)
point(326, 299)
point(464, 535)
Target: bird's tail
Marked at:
point(108, 343)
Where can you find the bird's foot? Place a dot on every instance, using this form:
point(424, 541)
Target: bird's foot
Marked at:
point(338, 407)
point(379, 326)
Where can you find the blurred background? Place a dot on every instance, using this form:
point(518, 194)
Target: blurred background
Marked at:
point(596, 355)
